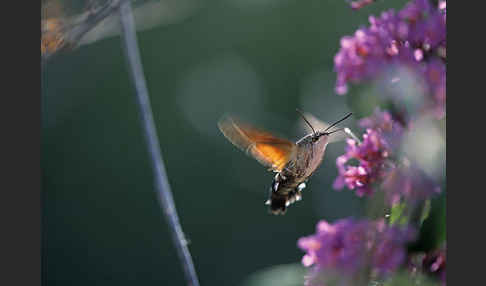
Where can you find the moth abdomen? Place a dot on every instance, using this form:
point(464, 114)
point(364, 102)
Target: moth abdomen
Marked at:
point(283, 192)
point(278, 203)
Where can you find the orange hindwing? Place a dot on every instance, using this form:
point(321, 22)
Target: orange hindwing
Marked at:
point(269, 150)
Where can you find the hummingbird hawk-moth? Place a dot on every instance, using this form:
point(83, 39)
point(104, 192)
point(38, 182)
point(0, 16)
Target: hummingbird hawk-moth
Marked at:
point(293, 162)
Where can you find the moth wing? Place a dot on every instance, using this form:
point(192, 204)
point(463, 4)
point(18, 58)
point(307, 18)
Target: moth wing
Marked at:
point(269, 150)
point(321, 126)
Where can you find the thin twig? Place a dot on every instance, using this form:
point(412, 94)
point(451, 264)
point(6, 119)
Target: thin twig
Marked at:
point(161, 182)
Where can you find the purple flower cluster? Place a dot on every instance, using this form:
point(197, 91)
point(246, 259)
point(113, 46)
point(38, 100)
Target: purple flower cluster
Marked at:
point(415, 38)
point(347, 246)
point(351, 252)
point(401, 181)
point(383, 122)
point(371, 156)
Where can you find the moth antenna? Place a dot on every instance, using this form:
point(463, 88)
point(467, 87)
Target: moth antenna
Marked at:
point(308, 123)
point(342, 119)
point(341, 129)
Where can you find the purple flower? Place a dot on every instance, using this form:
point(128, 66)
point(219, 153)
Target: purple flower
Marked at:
point(348, 246)
point(435, 73)
point(339, 245)
point(388, 252)
point(383, 122)
point(371, 155)
point(374, 165)
point(365, 54)
point(442, 7)
point(408, 183)
point(430, 32)
point(414, 11)
point(414, 38)
point(432, 263)
point(427, 24)
point(435, 263)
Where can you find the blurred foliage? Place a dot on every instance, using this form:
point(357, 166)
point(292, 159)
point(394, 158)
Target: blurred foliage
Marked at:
point(433, 230)
point(397, 214)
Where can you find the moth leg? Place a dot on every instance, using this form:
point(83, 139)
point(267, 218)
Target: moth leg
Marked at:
point(301, 186)
point(298, 196)
point(291, 198)
point(275, 186)
point(276, 182)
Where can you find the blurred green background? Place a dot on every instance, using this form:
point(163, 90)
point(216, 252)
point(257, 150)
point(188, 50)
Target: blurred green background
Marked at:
point(259, 59)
